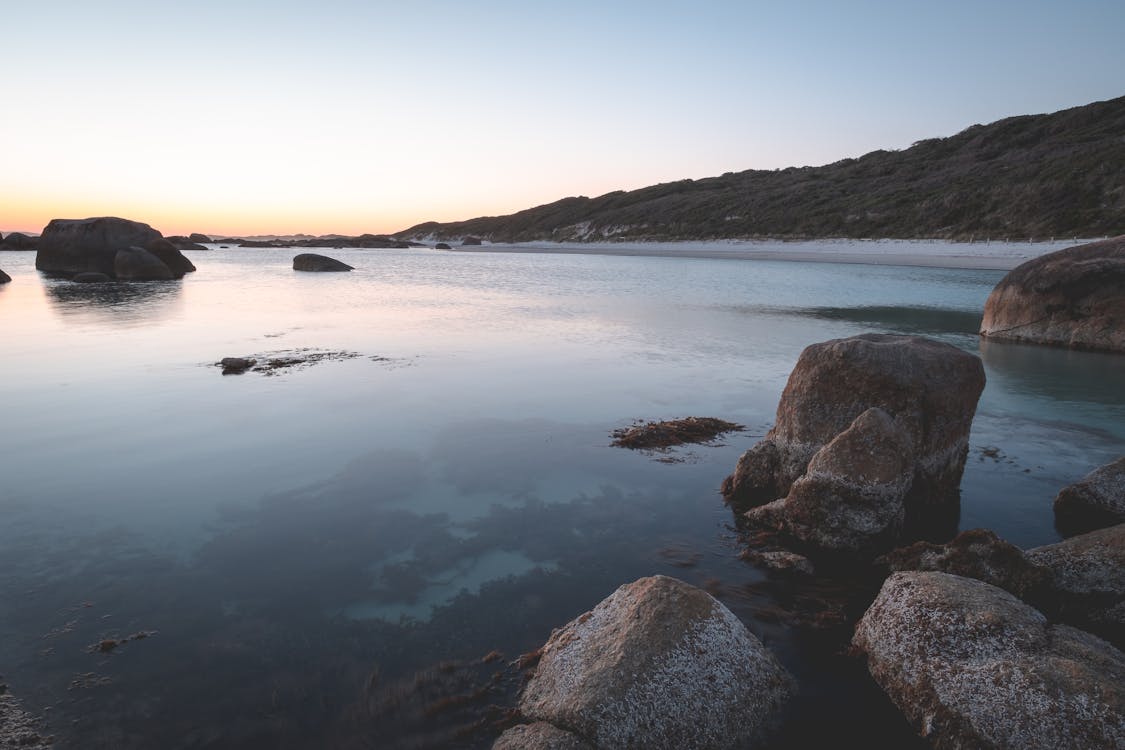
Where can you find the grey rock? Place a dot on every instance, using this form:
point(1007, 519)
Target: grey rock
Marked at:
point(971, 666)
point(1097, 501)
point(18, 241)
point(539, 736)
point(4, 278)
point(74, 246)
point(199, 238)
point(138, 264)
point(90, 277)
point(314, 262)
point(170, 256)
point(658, 664)
point(442, 246)
point(236, 365)
point(1089, 580)
point(1073, 297)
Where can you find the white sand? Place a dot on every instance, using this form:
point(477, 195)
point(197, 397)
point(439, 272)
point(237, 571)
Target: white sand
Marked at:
point(931, 253)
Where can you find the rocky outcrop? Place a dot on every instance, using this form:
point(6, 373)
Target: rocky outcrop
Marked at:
point(971, 666)
point(850, 497)
point(314, 262)
point(928, 389)
point(199, 238)
point(470, 241)
point(1088, 586)
point(658, 664)
point(539, 736)
point(185, 244)
point(4, 278)
point(979, 554)
point(1097, 501)
point(18, 241)
point(73, 246)
point(1073, 297)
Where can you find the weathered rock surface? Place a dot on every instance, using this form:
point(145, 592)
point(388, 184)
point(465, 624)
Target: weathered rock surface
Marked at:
point(90, 277)
point(138, 264)
point(18, 241)
point(979, 554)
point(1073, 297)
point(73, 246)
point(236, 365)
point(971, 666)
point(658, 664)
point(1097, 501)
point(1089, 580)
point(18, 728)
point(4, 278)
point(539, 736)
point(314, 262)
point(851, 495)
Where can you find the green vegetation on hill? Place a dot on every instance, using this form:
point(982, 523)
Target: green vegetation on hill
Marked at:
point(1034, 176)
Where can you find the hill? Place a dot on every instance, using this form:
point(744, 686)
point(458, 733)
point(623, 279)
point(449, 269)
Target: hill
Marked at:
point(1033, 176)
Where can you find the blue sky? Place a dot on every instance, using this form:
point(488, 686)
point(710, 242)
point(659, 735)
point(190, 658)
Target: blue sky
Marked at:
point(339, 116)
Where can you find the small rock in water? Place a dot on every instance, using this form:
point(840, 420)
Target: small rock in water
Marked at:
point(314, 262)
point(236, 365)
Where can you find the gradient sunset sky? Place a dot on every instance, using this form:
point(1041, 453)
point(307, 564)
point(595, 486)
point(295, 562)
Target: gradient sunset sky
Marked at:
point(272, 116)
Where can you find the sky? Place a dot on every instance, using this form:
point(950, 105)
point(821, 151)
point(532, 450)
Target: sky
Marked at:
point(238, 117)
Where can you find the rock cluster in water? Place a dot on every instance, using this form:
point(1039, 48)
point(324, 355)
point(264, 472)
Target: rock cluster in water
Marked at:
point(1073, 297)
point(118, 248)
point(871, 434)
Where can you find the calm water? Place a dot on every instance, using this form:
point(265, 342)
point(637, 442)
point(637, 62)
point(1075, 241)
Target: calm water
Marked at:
point(307, 547)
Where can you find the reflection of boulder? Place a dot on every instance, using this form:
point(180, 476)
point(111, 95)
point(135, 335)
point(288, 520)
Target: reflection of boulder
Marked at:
point(1056, 374)
point(1073, 297)
point(972, 666)
point(90, 277)
point(1089, 580)
point(116, 304)
point(314, 262)
point(658, 664)
point(72, 246)
point(929, 391)
point(1096, 501)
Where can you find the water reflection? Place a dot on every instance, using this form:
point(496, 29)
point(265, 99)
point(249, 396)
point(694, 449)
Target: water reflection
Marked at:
point(127, 304)
point(917, 320)
point(1057, 373)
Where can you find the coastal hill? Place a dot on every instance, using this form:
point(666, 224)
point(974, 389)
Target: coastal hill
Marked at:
point(1033, 176)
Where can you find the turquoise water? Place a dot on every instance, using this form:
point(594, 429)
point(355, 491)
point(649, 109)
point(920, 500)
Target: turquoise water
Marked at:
point(446, 488)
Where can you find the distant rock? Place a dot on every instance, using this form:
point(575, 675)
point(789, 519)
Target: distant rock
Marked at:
point(658, 664)
point(442, 246)
point(1089, 580)
point(1073, 297)
point(539, 736)
point(199, 238)
point(18, 241)
point(314, 262)
point(4, 278)
point(73, 246)
point(138, 264)
point(971, 666)
point(90, 277)
point(928, 389)
point(979, 554)
point(1098, 500)
point(185, 244)
point(468, 241)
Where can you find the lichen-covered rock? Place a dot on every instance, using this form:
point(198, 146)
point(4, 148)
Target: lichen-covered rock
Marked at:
point(314, 262)
point(138, 264)
point(658, 664)
point(1097, 501)
point(979, 554)
point(1073, 297)
point(928, 387)
point(1089, 580)
point(539, 736)
point(72, 246)
point(971, 666)
point(850, 497)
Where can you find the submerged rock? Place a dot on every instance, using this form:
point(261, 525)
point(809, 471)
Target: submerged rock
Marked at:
point(90, 277)
point(1073, 297)
point(314, 262)
point(658, 664)
point(73, 246)
point(1098, 500)
point(971, 666)
point(927, 393)
point(1089, 580)
point(236, 365)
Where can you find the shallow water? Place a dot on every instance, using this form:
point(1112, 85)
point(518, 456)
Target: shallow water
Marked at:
point(444, 490)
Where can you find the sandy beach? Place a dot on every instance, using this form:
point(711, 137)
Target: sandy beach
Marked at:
point(999, 256)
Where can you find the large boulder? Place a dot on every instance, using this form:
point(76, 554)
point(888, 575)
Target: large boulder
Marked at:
point(314, 262)
point(658, 664)
point(1073, 297)
point(1098, 500)
point(73, 246)
point(1089, 580)
point(138, 264)
point(971, 666)
point(199, 238)
point(850, 497)
point(930, 391)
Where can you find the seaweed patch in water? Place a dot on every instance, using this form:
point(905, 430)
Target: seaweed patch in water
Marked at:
point(658, 435)
point(272, 363)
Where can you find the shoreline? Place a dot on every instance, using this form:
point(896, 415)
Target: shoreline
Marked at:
point(984, 256)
